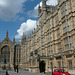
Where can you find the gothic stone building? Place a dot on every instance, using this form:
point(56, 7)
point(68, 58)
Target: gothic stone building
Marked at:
point(10, 53)
point(51, 45)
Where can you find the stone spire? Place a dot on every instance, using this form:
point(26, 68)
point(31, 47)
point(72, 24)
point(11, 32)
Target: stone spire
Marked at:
point(14, 39)
point(39, 9)
point(7, 33)
point(23, 37)
point(44, 4)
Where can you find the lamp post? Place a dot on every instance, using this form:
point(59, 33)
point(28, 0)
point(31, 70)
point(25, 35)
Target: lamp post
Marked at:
point(62, 60)
point(52, 63)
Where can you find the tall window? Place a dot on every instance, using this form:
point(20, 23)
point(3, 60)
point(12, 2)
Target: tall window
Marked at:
point(66, 8)
point(50, 36)
point(42, 41)
point(64, 27)
point(51, 48)
point(66, 43)
point(70, 42)
point(57, 19)
point(18, 53)
point(41, 29)
point(50, 24)
point(48, 52)
point(59, 47)
point(43, 52)
point(68, 25)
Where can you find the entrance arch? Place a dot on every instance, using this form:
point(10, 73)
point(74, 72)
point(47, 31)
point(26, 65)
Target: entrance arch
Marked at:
point(42, 66)
point(5, 54)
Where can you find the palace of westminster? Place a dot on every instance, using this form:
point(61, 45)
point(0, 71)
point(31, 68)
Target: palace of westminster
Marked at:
point(50, 45)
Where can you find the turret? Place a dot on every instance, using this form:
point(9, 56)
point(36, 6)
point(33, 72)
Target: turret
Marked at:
point(23, 38)
point(14, 40)
point(44, 9)
point(44, 5)
point(39, 10)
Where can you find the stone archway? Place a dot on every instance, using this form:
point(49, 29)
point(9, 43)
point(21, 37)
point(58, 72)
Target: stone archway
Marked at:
point(5, 55)
point(42, 66)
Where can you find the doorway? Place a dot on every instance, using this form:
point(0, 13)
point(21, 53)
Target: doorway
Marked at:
point(42, 66)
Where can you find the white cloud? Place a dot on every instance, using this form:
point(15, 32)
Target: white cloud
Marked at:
point(34, 12)
point(52, 2)
point(10, 8)
point(26, 27)
point(29, 25)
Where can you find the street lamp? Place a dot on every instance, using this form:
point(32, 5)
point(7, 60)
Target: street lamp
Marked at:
point(52, 57)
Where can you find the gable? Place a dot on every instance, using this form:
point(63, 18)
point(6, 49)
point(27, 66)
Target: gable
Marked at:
point(6, 41)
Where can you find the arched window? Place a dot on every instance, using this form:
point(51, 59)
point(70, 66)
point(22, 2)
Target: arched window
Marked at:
point(5, 54)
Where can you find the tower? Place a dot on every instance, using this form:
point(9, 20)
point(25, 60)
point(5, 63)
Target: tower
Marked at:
point(44, 9)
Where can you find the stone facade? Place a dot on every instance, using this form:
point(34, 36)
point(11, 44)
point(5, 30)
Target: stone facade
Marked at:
point(51, 45)
point(10, 53)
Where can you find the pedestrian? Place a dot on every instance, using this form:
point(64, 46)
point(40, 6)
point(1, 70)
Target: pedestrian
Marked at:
point(7, 72)
point(17, 68)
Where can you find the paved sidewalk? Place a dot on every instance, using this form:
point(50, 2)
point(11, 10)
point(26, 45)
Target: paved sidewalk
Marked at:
point(2, 72)
point(24, 73)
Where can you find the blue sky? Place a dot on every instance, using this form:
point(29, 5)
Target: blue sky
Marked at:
point(18, 16)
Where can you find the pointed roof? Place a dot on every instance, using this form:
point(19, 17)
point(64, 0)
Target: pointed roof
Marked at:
point(6, 40)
